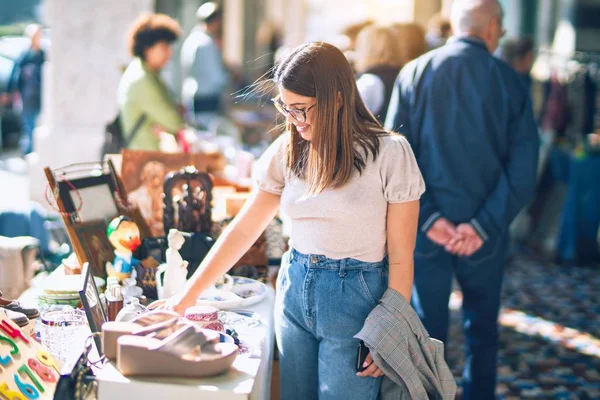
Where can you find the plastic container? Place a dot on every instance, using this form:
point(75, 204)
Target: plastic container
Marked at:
point(64, 332)
point(130, 311)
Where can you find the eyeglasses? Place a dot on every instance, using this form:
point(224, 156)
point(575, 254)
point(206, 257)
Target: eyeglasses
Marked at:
point(299, 114)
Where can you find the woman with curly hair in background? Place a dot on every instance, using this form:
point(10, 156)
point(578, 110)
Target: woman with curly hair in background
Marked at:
point(146, 105)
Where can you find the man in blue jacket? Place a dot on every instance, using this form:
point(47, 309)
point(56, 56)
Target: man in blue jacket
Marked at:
point(469, 119)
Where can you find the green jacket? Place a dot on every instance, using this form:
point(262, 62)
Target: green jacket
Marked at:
point(142, 91)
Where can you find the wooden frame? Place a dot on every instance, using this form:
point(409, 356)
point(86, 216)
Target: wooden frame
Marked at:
point(86, 175)
point(143, 174)
point(66, 193)
point(96, 246)
point(90, 299)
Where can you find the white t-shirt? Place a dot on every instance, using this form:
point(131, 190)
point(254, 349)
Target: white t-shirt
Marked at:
point(348, 222)
point(372, 92)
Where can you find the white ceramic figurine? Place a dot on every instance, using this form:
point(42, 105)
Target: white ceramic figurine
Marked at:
point(175, 276)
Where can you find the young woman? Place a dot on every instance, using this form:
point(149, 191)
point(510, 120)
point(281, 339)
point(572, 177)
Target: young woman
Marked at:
point(351, 190)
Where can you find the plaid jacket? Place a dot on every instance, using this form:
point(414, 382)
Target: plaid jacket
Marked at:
point(413, 362)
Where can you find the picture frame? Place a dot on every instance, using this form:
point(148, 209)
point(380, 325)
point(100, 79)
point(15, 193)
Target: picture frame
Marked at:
point(84, 191)
point(143, 174)
point(89, 198)
point(96, 247)
point(90, 299)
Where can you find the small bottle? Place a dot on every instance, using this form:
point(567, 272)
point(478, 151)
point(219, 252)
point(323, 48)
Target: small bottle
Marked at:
point(114, 301)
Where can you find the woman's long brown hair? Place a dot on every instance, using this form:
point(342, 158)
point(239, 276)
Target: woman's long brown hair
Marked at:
point(340, 128)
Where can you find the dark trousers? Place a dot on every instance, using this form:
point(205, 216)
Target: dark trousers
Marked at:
point(30, 117)
point(480, 279)
point(207, 103)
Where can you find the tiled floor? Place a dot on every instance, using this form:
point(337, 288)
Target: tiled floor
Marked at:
point(550, 334)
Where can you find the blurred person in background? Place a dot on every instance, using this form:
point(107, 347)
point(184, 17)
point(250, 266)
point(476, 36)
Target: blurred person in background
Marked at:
point(352, 31)
point(346, 41)
point(378, 62)
point(411, 40)
point(519, 53)
point(468, 118)
point(144, 100)
point(26, 80)
point(269, 36)
point(205, 76)
point(439, 30)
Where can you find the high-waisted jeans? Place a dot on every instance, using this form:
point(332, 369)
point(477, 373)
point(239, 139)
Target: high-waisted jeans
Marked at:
point(321, 304)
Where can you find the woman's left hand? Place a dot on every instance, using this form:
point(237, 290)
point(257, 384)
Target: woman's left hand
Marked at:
point(157, 130)
point(372, 370)
point(179, 302)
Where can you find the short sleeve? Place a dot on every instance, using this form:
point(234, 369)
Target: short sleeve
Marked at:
point(269, 170)
point(400, 174)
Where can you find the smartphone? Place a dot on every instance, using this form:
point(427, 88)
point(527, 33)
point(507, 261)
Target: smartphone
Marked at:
point(361, 355)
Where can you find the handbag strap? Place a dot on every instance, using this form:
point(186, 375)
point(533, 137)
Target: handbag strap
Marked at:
point(135, 130)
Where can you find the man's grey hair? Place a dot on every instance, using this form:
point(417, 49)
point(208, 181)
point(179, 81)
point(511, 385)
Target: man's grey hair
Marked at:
point(472, 16)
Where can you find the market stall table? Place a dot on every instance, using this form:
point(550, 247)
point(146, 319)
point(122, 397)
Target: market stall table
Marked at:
point(249, 377)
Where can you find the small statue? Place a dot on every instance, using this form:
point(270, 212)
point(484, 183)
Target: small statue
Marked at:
point(124, 235)
point(175, 276)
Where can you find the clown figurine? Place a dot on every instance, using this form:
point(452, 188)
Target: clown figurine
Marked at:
point(124, 235)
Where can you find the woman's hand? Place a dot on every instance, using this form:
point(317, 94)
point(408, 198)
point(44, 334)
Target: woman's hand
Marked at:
point(158, 129)
point(179, 302)
point(372, 370)
point(233, 243)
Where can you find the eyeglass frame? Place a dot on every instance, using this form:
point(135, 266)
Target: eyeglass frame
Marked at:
point(503, 32)
point(500, 19)
point(282, 108)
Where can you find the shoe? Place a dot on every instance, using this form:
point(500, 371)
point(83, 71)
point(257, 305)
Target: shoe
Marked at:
point(189, 352)
point(160, 323)
point(13, 305)
point(18, 318)
point(162, 343)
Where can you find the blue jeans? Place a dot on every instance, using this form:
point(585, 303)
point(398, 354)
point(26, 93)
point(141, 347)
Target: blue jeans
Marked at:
point(321, 304)
point(480, 279)
point(29, 120)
